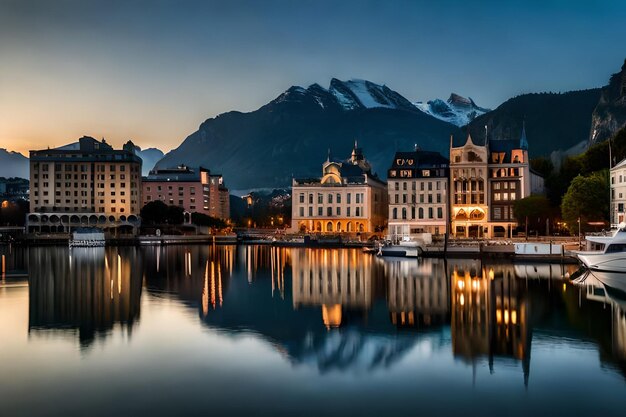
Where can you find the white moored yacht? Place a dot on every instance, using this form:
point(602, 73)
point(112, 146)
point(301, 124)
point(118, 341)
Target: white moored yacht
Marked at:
point(612, 258)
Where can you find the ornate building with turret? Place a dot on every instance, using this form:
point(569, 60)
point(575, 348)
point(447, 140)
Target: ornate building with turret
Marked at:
point(348, 198)
point(487, 180)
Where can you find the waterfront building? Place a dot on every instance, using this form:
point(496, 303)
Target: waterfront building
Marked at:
point(195, 190)
point(469, 206)
point(348, 198)
point(84, 183)
point(618, 193)
point(487, 181)
point(417, 186)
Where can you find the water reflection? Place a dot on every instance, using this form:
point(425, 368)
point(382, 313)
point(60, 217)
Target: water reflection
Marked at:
point(490, 314)
point(333, 310)
point(83, 291)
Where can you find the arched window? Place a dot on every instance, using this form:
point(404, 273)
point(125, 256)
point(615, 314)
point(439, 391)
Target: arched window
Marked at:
point(395, 213)
point(421, 213)
point(338, 227)
point(329, 226)
point(403, 213)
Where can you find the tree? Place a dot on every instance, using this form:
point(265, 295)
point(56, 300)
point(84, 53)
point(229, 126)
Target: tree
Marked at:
point(201, 219)
point(157, 212)
point(535, 208)
point(586, 198)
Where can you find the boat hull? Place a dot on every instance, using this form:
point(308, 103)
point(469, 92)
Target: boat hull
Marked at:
point(614, 262)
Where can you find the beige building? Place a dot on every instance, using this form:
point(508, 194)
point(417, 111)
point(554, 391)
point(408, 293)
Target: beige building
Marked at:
point(348, 198)
point(618, 193)
point(487, 180)
point(468, 174)
point(417, 186)
point(86, 183)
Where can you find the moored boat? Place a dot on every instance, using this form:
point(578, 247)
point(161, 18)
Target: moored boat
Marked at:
point(612, 256)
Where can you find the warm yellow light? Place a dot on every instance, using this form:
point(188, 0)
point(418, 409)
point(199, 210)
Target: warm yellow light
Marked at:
point(491, 274)
point(506, 316)
point(514, 317)
point(462, 299)
point(499, 316)
point(331, 315)
point(564, 287)
point(461, 285)
point(5, 204)
point(474, 285)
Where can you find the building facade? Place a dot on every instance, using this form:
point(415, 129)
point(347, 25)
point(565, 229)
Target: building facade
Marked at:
point(468, 191)
point(618, 193)
point(417, 183)
point(86, 183)
point(195, 190)
point(348, 198)
point(487, 180)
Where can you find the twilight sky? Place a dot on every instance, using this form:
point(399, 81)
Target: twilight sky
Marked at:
point(153, 70)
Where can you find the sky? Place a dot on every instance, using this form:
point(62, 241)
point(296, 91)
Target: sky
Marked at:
point(152, 71)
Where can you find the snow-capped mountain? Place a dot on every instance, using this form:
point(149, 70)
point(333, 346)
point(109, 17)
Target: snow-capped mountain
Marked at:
point(290, 135)
point(348, 95)
point(457, 110)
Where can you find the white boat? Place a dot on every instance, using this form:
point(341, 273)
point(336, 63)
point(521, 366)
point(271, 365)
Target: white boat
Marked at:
point(614, 283)
point(411, 248)
point(612, 258)
point(87, 237)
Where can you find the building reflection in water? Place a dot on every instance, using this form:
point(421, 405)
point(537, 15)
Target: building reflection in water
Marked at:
point(199, 275)
point(333, 279)
point(418, 294)
point(490, 316)
point(84, 290)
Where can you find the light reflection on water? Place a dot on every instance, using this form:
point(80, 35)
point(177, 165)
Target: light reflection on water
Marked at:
point(300, 331)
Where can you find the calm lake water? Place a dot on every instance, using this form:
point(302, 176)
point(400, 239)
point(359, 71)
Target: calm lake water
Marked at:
point(255, 330)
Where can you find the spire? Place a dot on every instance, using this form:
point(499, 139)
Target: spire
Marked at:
point(469, 140)
point(328, 157)
point(523, 142)
point(486, 137)
point(356, 144)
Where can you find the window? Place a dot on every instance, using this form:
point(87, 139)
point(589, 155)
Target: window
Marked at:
point(403, 213)
point(320, 198)
point(425, 173)
point(396, 185)
point(348, 210)
point(412, 213)
point(358, 211)
point(301, 197)
point(496, 185)
point(338, 211)
point(320, 211)
point(310, 211)
point(301, 211)
point(404, 186)
point(330, 199)
point(395, 213)
point(396, 199)
point(329, 211)
point(349, 198)
point(358, 198)
point(439, 214)
point(338, 198)
point(430, 212)
point(497, 213)
point(310, 198)
point(421, 213)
